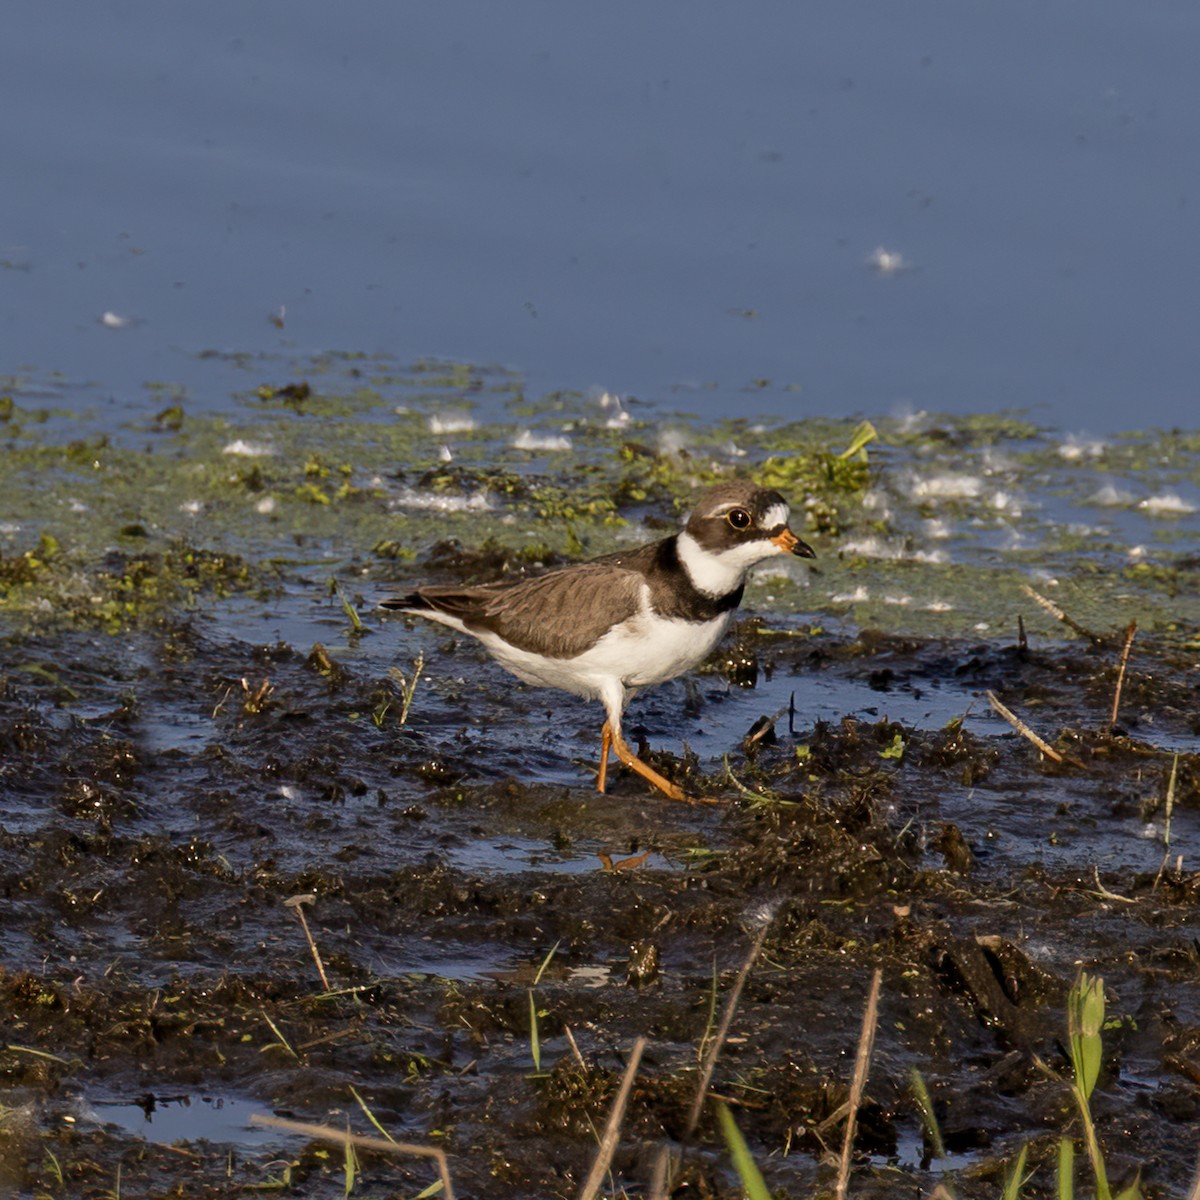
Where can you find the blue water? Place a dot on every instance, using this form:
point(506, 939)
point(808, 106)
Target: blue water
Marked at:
point(678, 201)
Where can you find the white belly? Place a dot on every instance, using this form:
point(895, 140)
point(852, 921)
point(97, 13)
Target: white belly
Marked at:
point(645, 650)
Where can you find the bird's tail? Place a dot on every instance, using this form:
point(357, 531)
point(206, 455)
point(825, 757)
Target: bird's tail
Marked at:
point(412, 600)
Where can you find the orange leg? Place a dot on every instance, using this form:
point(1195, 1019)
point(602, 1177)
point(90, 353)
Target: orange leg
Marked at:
point(647, 772)
point(605, 746)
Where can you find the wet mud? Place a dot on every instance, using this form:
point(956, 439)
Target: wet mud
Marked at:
point(265, 850)
point(166, 793)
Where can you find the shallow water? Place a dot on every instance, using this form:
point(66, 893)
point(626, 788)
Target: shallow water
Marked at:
point(686, 203)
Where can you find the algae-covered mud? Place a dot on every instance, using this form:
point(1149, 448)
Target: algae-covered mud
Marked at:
point(264, 850)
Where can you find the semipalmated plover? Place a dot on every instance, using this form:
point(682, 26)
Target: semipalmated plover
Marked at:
point(605, 629)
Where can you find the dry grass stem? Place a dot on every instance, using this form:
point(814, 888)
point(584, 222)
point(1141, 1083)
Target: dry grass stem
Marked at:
point(714, 1049)
point(1104, 893)
point(574, 1047)
point(1058, 614)
point(660, 1174)
point(862, 1063)
point(1169, 808)
point(612, 1130)
point(296, 904)
point(1028, 733)
point(341, 1137)
point(1129, 634)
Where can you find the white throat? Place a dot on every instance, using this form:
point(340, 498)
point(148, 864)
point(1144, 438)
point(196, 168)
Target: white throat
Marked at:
point(717, 575)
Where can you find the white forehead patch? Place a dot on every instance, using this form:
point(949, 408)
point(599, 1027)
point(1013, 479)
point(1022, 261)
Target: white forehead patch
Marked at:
point(777, 514)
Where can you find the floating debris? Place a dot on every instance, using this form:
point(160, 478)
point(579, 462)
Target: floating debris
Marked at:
point(243, 449)
point(451, 422)
point(528, 440)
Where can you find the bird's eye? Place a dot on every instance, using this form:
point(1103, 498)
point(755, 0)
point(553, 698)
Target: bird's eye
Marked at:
point(739, 518)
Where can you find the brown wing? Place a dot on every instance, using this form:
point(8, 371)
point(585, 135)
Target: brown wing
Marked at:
point(559, 614)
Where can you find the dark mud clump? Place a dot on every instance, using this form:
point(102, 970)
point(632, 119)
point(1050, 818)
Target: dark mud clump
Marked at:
point(494, 941)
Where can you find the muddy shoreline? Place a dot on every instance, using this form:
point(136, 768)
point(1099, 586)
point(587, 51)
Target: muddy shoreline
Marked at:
point(159, 815)
point(203, 719)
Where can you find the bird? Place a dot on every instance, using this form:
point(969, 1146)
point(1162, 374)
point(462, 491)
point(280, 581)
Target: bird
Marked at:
point(606, 628)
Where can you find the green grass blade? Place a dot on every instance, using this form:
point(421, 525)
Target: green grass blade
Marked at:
point(1066, 1169)
point(535, 1044)
point(1016, 1178)
point(864, 434)
point(743, 1160)
point(1134, 1190)
point(925, 1104)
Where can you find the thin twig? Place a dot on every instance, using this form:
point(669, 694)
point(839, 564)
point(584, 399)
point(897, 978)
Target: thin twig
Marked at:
point(612, 1130)
point(866, 1043)
point(1023, 729)
point(660, 1174)
point(666, 1162)
point(296, 904)
point(574, 1047)
point(1112, 720)
point(1169, 807)
point(1104, 893)
point(326, 1133)
point(718, 1042)
point(1058, 614)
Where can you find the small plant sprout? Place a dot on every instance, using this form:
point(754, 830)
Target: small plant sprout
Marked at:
point(863, 435)
point(350, 1164)
point(407, 687)
point(535, 1041)
point(1085, 1021)
point(933, 1130)
point(336, 589)
point(254, 699)
point(282, 1043)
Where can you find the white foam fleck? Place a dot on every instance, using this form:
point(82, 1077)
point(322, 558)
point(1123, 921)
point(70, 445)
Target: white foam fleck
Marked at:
point(437, 502)
point(936, 529)
point(451, 422)
point(1111, 496)
point(9, 527)
point(857, 596)
point(445, 454)
point(672, 441)
point(617, 418)
point(1168, 504)
point(909, 419)
point(1136, 553)
point(528, 440)
point(887, 262)
point(903, 601)
point(1076, 447)
point(192, 507)
point(241, 448)
point(938, 606)
point(948, 486)
point(112, 320)
point(265, 506)
point(981, 627)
